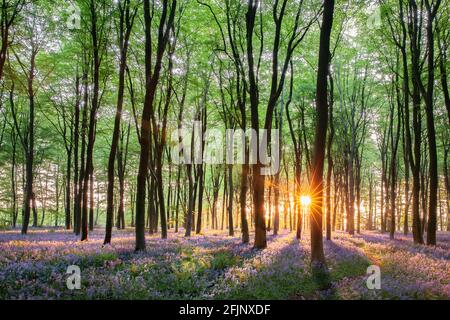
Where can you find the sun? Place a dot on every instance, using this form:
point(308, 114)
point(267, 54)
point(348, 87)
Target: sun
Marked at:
point(305, 201)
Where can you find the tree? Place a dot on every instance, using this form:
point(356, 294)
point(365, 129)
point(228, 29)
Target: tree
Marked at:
point(127, 14)
point(9, 14)
point(151, 80)
point(98, 30)
point(65, 127)
point(415, 156)
point(317, 255)
point(428, 93)
point(34, 42)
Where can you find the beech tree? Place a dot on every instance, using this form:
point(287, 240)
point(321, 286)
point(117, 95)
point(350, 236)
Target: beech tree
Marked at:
point(317, 255)
point(152, 80)
point(127, 14)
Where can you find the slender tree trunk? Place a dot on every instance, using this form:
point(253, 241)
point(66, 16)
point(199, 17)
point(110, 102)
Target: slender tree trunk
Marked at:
point(92, 120)
point(230, 201)
point(351, 195)
point(122, 157)
point(431, 129)
point(125, 26)
point(200, 198)
point(358, 194)
point(329, 157)
point(68, 191)
point(177, 206)
point(370, 218)
point(242, 201)
point(14, 210)
point(152, 80)
point(442, 45)
point(188, 220)
point(91, 202)
point(29, 150)
point(395, 137)
point(447, 183)
point(317, 255)
point(258, 178)
point(34, 209)
point(416, 125)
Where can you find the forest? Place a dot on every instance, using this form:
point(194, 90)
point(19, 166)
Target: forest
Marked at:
point(224, 149)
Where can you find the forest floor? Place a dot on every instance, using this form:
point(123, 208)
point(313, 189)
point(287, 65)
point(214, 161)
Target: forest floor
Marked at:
point(215, 266)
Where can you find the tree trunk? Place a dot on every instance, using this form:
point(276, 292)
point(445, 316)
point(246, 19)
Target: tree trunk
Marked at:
point(125, 26)
point(200, 198)
point(152, 80)
point(29, 150)
point(258, 178)
point(317, 255)
point(447, 183)
point(230, 201)
point(14, 211)
point(330, 157)
point(431, 129)
point(68, 191)
point(92, 120)
point(242, 201)
point(416, 125)
point(91, 202)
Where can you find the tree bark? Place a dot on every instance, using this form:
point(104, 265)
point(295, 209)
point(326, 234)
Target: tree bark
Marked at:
point(415, 159)
point(125, 27)
point(330, 157)
point(431, 129)
point(317, 255)
point(152, 80)
point(92, 119)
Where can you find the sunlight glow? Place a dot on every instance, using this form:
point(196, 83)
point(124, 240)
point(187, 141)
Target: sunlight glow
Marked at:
point(305, 201)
